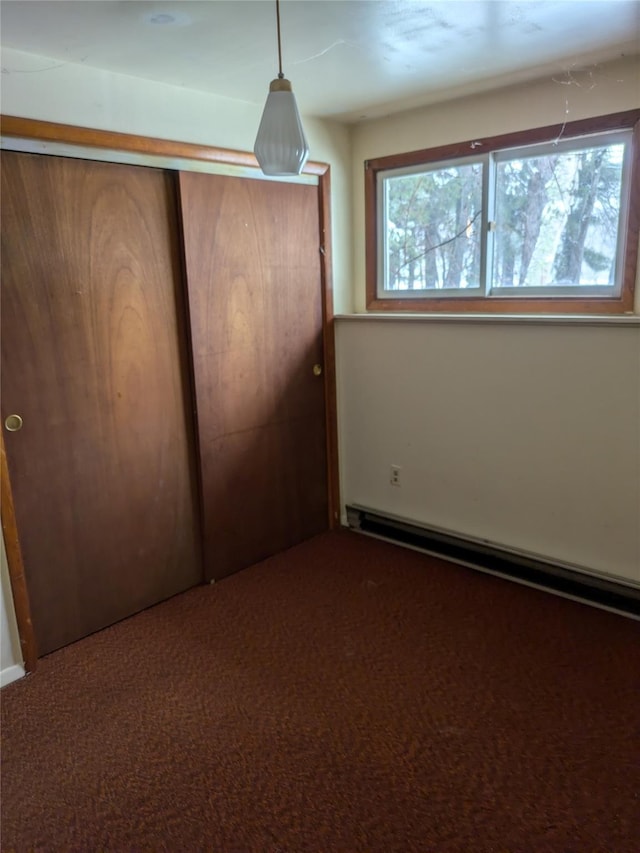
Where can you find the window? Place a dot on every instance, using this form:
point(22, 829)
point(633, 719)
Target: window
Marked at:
point(536, 222)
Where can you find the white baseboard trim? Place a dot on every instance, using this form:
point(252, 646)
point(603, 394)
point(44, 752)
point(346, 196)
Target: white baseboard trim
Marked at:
point(11, 673)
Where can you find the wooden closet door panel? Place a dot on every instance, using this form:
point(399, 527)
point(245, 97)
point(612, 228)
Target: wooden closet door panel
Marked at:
point(255, 302)
point(94, 361)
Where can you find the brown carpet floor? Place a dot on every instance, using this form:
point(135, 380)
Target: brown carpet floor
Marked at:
point(347, 695)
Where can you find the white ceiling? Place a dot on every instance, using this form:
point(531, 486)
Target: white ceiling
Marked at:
point(348, 59)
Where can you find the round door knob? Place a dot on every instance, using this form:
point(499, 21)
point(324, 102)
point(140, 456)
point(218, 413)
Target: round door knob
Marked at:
point(13, 423)
point(317, 369)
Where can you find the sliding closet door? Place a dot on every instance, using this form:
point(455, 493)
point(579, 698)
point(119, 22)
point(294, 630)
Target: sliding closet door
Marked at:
point(94, 363)
point(253, 279)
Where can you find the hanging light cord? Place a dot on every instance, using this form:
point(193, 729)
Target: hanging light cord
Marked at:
point(280, 74)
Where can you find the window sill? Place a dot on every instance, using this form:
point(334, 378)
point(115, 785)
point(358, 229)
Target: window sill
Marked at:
point(509, 319)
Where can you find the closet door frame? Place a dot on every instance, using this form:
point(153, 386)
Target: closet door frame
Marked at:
point(54, 139)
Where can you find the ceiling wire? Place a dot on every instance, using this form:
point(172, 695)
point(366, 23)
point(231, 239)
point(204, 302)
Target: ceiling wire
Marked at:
point(280, 74)
point(320, 53)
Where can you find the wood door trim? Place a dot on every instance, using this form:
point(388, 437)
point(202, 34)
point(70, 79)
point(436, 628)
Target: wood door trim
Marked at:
point(328, 337)
point(47, 131)
point(25, 128)
point(16, 567)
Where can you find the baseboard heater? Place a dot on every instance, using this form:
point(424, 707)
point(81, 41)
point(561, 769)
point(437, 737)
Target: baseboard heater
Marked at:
point(511, 564)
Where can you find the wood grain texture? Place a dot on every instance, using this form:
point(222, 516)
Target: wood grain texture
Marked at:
point(93, 359)
point(15, 563)
point(253, 277)
point(26, 128)
point(505, 305)
point(498, 305)
point(329, 348)
point(371, 238)
point(633, 223)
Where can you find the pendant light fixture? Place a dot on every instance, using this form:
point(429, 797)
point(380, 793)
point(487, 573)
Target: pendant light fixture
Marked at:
point(281, 147)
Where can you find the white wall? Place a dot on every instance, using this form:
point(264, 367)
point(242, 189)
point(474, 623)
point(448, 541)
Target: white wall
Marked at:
point(527, 435)
point(524, 436)
point(10, 658)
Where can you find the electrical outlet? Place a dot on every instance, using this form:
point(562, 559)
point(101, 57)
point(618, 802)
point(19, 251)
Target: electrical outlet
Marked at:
point(394, 477)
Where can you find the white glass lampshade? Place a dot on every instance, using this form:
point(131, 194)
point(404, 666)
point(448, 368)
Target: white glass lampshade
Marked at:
point(281, 147)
